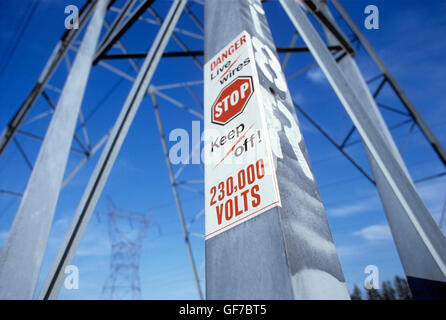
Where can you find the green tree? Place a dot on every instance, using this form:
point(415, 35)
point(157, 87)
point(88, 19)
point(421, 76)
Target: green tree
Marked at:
point(398, 290)
point(387, 291)
point(402, 289)
point(373, 294)
point(356, 293)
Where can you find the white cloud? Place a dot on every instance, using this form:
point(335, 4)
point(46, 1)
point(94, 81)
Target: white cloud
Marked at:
point(432, 192)
point(94, 244)
point(316, 75)
point(348, 251)
point(370, 203)
point(375, 232)
point(349, 209)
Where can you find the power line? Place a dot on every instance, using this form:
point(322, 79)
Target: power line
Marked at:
point(355, 147)
point(28, 16)
point(104, 99)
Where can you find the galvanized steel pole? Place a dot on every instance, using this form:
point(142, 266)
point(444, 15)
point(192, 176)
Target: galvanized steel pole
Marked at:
point(57, 55)
point(66, 253)
point(420, 242)
point(23, 252)
point(286, 252)
point(430, 136)
point(419, 265)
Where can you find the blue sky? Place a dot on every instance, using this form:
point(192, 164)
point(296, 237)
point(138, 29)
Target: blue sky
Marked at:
point(410, 43)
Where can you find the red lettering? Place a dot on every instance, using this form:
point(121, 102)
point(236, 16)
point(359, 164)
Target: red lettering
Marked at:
point(231, 50)
point(237, 211)
point(251, 174)
point(235, 46)
point(219, 212)
point(244, 194)
point(260, 168)
point(213, 192)
point(255, 195)
point(229, 210)
point(242, 40)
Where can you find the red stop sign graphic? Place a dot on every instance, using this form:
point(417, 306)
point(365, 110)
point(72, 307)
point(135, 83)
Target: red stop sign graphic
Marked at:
point(232, 100)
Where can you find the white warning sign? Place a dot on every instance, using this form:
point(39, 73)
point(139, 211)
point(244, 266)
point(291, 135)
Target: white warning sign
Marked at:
point(240, 180)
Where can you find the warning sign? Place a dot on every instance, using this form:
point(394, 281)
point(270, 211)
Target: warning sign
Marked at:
point(232, 100)
point(240, 180)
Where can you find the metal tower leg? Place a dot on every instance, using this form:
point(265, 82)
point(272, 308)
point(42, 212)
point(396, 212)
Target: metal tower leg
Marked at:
point(420, 242)
point(23, 252)
point(414, 257)
point(100, 174)
point(441, 152)
point(286, 252)
point(58, 53)
point(175, 193)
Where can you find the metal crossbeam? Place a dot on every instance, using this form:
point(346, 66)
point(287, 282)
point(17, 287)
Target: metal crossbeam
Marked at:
point(111, 30)
point(438, 148)
point(197, 53)
point(333, 142)
point(23, 252)
point(174, 184)
point(390, 175)
point(56, 57)
point(119, 30)
point(327, 22)
point(102, 170)
point(405, 207)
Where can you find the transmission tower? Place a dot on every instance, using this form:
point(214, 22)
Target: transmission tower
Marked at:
point(279, 236)
point(127, 232)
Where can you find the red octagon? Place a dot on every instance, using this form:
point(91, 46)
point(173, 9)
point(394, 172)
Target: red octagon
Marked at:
point(232, 100)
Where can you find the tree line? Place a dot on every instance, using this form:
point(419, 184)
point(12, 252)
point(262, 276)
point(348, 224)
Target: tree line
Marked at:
point(398, 289)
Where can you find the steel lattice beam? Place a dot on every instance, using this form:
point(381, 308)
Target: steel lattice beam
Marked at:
point(58, 53)
point(102, 170)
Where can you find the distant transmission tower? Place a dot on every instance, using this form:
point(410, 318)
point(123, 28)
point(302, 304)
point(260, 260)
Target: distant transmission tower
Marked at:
point(127, 232)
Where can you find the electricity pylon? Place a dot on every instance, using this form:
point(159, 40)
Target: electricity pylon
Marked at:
point(290, 252)
point(127, 232)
